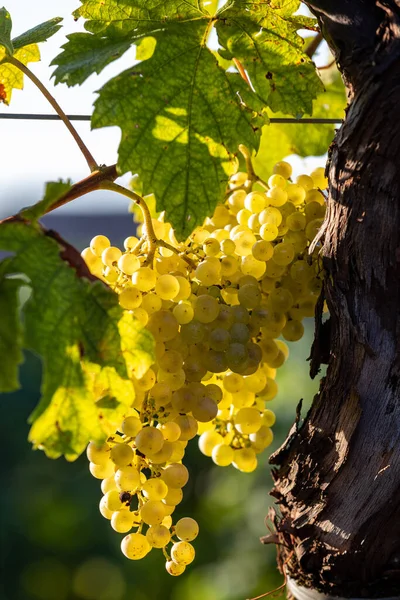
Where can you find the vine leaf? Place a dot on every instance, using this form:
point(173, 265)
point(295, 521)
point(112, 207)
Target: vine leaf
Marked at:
point(182, 112)
point(264, 38)
point(24, 48)
point(85, 54)
point(182, 133)
point(72, 322)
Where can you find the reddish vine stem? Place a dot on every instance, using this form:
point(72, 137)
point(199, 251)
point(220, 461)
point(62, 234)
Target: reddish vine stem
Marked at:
point(93, 166)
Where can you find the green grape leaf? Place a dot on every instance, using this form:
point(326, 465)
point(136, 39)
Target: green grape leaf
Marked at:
point(183, 133)
point(264, 38)
point(53, 192)
point(70, 320)
point(85, 54)
point(10, 333)
point(5, 31)
point(40, 33)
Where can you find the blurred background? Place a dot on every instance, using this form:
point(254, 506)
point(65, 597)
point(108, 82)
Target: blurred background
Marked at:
point(54, 544)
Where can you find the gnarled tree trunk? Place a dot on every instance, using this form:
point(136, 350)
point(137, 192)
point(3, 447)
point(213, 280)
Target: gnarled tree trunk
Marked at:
point(338, 476)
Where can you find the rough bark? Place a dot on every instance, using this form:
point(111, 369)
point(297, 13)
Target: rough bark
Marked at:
point(338, 476)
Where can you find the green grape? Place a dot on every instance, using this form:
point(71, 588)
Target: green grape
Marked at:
point(219, 339)
point(175, 475)
point(131, 426)
point(247, 420)
point(111, 255)
point(214, 361)
point(220, 217)
point(256, 382)
point(271, 387)
point(268, 417)
point(208, 272)
point(163, 325)
point(244, 241)
point(277, 181)
point(182, 553)
point(188, 426)
point(233, 382)
point(144, 279)
point(313, 228)
point(280, 300)
point(261, 439)
point(187, 529)
point(149, 440)
point(135, 546)
point(305, 181)
point(249, 296)
point(122, 455)
point(211, 247)
point(183, 313)
point(108, 484)
point(269, 232)
point(243, 399)
point(98, 454)
point(255, 202)
point(112, 500)
point(204, 410)
point(128, 264)
point(206, 309)
point(122, 521)
point(283, 168)
point(171, 361)
point(173, 497)
point(214, 392)
point(296, 221)
point(98, 244)
point(208, 440)
point(152, 512)
point(130, 242)
point(276, 196)
point(296, 193)
point(228, 247)
point(167, 287)
point(171, 431)
point(262, 251)
point(151, 303)
point(174, 569)
point(222, 455)
point(283, 254)
point(158, 536)
point(104, 511)
point(252, 266)
point(184, 289)
point(293, 331)
point(174, 380)
point(146, 382)
point(163, 455)
point(127, 479)
point(102, 471)
point(236, 356)
point(178, 452)
point(93, 262)
point(245, 460)
point(319, 179)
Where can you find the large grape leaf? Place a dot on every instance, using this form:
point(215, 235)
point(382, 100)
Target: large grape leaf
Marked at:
point(181, 137)
point(71, 320)
point(263, 37)
point(182, 115)
point(23, 48)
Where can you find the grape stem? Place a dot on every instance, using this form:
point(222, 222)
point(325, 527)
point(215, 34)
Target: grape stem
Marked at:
point(151, 238)
point(93, 166)
point(252, 175)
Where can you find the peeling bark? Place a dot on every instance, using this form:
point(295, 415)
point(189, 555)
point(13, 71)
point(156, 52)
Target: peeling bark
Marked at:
point(338, 478)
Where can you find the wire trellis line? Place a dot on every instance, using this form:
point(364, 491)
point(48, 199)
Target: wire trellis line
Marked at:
point(42, 117)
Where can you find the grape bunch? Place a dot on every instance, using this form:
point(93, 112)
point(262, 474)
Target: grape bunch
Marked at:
point(216, 306)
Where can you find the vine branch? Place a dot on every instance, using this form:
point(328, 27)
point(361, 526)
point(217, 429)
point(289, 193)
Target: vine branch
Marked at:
point(93, 166)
